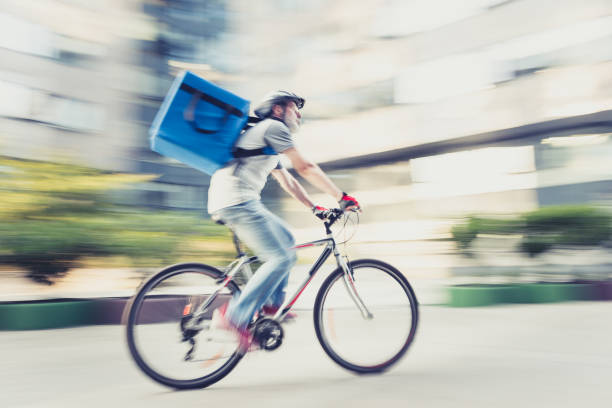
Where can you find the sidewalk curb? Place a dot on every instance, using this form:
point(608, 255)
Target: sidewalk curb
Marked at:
point(68, 312)
point(46, 314)
point(73, 312)
point(541, 292)
point(60, 313)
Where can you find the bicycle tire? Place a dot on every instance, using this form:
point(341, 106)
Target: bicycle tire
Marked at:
point(132, 313)
point(323, 332)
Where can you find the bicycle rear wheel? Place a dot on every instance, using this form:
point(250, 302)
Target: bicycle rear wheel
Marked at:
point(162, 338)
point(361, 344)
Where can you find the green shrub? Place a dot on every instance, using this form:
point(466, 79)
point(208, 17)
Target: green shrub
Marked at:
point(54, 215)
point(541, 229)
point(535, 245)
point(465, 233)
point(569, 225)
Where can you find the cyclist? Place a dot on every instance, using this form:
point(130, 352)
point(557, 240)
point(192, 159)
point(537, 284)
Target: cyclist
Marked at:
point(234, 198)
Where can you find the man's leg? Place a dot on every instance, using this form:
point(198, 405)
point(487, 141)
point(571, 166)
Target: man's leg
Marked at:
point(277, 297)
point(261, 231)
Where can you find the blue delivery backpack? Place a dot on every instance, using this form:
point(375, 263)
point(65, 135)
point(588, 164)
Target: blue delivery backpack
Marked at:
point(198, 124)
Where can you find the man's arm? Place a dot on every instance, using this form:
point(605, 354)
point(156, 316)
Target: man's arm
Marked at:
point(313, 173)
point(292, 186)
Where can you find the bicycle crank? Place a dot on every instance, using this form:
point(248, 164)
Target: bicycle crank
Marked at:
point(268, 334)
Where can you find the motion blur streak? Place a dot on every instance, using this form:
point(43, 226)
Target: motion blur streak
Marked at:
point(477, 135)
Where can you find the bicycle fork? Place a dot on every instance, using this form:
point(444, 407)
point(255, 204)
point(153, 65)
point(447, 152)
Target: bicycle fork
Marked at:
point(349, 283)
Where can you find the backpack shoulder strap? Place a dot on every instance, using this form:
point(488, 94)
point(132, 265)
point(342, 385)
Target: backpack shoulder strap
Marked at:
point(239, 152)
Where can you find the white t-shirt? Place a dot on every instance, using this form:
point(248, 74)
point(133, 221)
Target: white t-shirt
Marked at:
point(243, 179)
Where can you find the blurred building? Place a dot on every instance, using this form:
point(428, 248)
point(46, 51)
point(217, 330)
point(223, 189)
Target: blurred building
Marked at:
point(68, 76)
point(427, 107)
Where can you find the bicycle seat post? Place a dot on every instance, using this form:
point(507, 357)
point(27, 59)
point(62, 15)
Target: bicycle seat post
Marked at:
point(237, 245)
point(234, 237)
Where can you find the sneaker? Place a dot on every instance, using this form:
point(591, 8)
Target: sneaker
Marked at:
point(221, 321)
point(245, 340)
point(270, 311)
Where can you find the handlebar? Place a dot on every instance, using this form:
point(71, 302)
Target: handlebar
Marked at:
point(336, 214)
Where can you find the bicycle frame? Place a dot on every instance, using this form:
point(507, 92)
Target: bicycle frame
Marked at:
point(330, 247)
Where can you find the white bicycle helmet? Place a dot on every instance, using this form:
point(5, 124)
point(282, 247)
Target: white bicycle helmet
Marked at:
point(264, 107)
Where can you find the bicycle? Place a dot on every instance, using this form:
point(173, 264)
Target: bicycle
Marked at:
point(359, 306)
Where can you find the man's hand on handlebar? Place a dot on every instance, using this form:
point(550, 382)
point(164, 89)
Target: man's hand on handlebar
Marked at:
point(321, 213)
point(348, 203)
point(330, 215)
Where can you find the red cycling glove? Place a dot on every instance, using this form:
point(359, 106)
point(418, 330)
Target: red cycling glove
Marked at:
point(320, 212)
point(347, 202)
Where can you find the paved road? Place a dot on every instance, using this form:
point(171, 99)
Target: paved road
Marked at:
point(556, 355)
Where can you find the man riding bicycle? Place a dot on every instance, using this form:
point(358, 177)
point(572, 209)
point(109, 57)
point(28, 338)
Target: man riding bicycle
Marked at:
point(234, 198)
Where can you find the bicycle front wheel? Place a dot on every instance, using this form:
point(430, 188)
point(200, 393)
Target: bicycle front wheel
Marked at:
point(359, 342)
point(165, 339)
